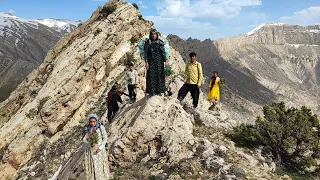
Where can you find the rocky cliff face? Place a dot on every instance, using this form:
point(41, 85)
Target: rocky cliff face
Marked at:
point(155, 138)
point(52, 100)
point(274, 62)
point(24, 44)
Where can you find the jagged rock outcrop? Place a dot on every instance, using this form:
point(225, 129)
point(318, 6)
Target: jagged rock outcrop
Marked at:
point(158, 138)
point(24, 44)
point(171, 138)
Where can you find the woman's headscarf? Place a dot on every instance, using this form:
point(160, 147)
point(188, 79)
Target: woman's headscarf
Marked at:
point(151, 31)
point(93, 116)
point(88, 128)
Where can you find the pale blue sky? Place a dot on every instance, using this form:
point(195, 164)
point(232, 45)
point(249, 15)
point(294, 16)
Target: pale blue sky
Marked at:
point(200, 19)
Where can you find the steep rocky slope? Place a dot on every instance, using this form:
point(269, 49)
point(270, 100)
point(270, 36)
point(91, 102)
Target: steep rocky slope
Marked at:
point(274, 62)
point(24, 44)
point(155, 138)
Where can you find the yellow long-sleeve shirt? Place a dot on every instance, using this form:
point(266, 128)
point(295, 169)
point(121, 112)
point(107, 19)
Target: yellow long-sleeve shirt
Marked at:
point(194, 73)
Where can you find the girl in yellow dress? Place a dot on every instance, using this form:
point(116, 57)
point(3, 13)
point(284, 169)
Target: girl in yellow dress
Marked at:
point(214, 93)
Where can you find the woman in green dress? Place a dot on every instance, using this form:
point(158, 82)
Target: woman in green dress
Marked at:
point(95, 139)
point(155, 52)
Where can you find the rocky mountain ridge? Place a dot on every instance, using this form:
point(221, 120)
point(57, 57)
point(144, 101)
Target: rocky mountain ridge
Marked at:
point(155, 138)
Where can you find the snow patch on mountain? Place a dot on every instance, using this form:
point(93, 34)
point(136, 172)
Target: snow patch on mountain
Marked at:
point(17, 41)
point(59, 25)
point(300, 45)
point(314, 31)
point(263, 25)
point(9, 21)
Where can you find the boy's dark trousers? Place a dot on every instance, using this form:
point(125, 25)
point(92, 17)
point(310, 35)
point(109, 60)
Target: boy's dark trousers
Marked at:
point(132, 93)
point(193, 89)
point(112, 110)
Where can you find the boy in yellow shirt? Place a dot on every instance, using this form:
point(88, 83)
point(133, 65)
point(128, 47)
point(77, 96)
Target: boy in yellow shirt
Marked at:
point(193, 82)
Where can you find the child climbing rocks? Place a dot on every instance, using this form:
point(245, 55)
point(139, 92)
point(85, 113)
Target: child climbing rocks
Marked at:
point(133, 81)
point(113, 98)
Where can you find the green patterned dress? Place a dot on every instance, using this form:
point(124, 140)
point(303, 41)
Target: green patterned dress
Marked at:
point(155, 52)
point(96, 164)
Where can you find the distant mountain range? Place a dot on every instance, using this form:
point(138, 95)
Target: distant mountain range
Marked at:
point(24, 44)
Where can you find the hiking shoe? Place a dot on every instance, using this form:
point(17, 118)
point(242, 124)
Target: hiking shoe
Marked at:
point(195, 109)
point(211, 107)
point(180, 101)
point(149, 95)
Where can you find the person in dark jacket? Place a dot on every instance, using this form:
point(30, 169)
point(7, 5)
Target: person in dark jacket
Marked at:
point(113, 98)
point(155, 52)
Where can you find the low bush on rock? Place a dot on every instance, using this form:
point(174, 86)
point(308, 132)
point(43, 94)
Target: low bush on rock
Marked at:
point(107, 10)
point(292, 136)
point(128, 58)
point(98, 31)
point(135, 5)
point(168, 71)
point(134, 40)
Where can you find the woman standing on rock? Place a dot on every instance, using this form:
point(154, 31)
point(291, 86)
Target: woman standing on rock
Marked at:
point(95, 139)
point(155, 52)
point(214, 93)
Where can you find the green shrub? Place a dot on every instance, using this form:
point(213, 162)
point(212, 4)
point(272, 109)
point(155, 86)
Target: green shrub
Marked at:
point(168, 71)
point(32, 113)
point(290, 134)
point(135, 5)
point(35, 111)
point(222, 81)
point(294, 175)
point(33, 93)
point(98, 31)
point(141, 18)
point(107, 10)
point(134, 40)
point(246, 135)
point(42, 102)
point(129, 58)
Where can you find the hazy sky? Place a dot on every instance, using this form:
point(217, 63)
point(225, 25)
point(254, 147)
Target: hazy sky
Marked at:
point(200, 19)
